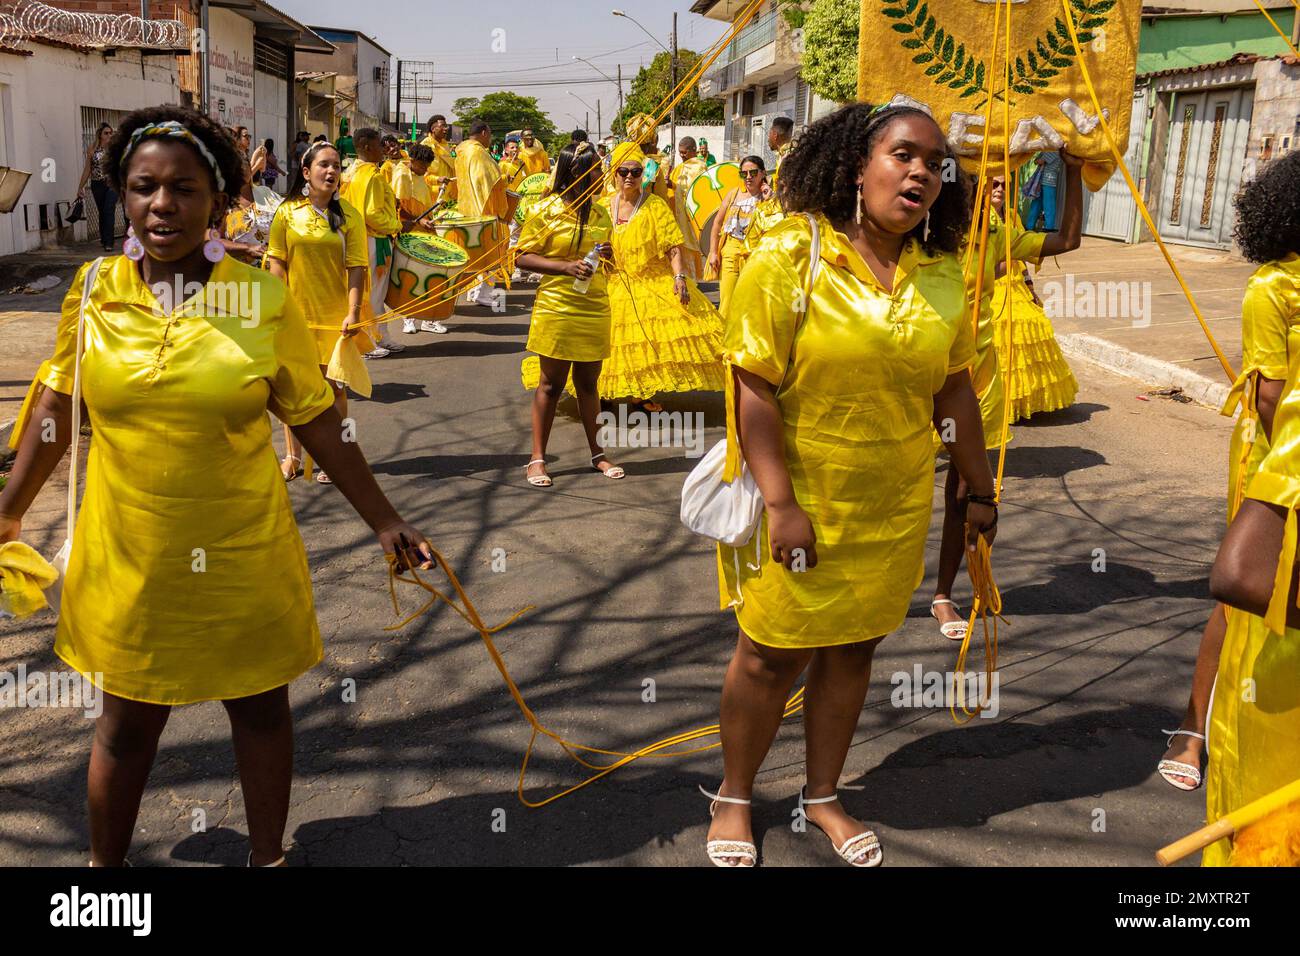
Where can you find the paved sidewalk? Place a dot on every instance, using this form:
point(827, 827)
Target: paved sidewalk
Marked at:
point(1153, 335)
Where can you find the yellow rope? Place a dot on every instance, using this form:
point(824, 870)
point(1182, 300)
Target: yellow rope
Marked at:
point(465, 608)
point(1285, 39)
point(1137, 197)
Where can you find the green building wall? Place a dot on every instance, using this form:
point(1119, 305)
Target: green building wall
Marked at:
point(1169, 43)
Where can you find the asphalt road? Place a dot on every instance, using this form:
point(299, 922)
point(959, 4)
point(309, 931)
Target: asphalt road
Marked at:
point(422, 767)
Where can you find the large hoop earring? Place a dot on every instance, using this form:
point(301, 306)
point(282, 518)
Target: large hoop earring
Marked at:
point(306, 190)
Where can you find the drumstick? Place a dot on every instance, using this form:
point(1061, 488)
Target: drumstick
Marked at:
point(1228, 825)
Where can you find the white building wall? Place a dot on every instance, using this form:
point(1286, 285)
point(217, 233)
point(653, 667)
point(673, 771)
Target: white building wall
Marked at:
point(272, 120)
point(41, 98)
point(372, 97)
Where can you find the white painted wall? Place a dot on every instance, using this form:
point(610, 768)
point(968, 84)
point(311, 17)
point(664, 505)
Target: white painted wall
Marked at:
point(372, 97)
point(230, 56)
point(272, 120)
point(43, 97)
point(714, 134)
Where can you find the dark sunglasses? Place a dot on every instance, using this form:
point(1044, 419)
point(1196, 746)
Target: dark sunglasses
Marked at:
point(629, 172)
point(750, 173)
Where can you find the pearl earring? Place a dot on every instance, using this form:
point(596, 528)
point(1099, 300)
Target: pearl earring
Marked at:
point(132, 248)
point(857, 211)
point(213, 250)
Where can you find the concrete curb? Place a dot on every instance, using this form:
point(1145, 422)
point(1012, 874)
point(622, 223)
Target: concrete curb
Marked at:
point(1144, 368)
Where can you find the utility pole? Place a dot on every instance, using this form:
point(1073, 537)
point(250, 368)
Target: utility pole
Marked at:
point(620, 89)
point(673, 151)
point(598, 122)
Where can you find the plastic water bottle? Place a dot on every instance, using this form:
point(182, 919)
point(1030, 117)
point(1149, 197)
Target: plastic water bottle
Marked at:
point(592, 259)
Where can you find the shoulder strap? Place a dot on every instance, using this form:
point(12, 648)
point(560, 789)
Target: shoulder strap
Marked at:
point(91, 275)
point(814, 268)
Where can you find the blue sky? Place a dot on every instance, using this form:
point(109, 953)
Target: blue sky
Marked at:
point(541, 37)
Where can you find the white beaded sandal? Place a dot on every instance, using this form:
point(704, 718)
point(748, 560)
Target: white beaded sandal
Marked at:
point(538, 481)
point(856, 845)
point(1169, 769)
point(720, 851)
point(613, 471)
point(279, 862)
point(953, 630)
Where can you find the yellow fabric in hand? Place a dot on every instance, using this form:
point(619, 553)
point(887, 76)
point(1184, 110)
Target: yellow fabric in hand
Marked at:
point(347, 367)
point(941, 55)
point(24, 575)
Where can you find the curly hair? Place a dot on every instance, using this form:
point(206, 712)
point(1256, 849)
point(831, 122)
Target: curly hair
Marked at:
point(1268, 211)
point(209, 132)
point(820, 174)
point(420, 153)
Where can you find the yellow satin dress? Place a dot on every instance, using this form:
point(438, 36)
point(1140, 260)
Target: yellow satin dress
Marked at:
point(657, 343)
point(317, 259)
point(1254, 728)
point(857, 402)
point(188, 580)
point(566, 324)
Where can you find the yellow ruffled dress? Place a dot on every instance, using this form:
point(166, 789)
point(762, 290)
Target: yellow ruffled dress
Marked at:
point(864, 366)
point(188, 580)
point(1036, 375)
point(1254, 735)
point(657, 343)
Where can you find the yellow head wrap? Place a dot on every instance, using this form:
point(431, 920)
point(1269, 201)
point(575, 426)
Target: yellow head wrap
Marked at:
point(641, 127)
point(623, 153)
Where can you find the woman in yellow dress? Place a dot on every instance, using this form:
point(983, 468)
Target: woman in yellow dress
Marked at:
point(1268, 211)
point(987, 375)
point(1037, 377)
point(666, 336)
point(728, 249)
point(1255, 722)
point(832, 410)
point(187, 580)
point(318, 247)
point(568, 232)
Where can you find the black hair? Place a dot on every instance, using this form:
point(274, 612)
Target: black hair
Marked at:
point(334, 212)
point(579, 136)
point(100, 132)
point(390, 138)
point(435, 118)
point(206, 130)
point(783, 125)
point(573, 168)
point(270, 145)
point(365, 135)
point(756, 160)
point(320, 138)
point(420, 153)
point(688, 142)
point(820, 174)
point(1268, 211)
point(303, 135)
point(478, 126)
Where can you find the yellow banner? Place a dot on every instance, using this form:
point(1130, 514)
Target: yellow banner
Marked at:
point(943, 55)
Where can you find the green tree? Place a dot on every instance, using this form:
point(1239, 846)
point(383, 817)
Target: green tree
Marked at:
point(504, 111)
point(651, 89)
point(830, 45)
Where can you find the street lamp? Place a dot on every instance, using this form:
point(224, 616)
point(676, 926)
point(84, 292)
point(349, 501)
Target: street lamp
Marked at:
point(618, 82)
point(673, 55)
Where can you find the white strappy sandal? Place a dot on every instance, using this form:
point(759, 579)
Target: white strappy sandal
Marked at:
point(953, 630)
point(613, 471)
point(1169, 769)
point(720, 851)
point(537, 481)
point(865, 842)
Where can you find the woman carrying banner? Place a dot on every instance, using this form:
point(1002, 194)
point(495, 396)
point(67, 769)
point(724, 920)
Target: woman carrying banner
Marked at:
point(187, 579)
point(1268, 232)
point(834, 405)
point(987, 374)
point(318, 247)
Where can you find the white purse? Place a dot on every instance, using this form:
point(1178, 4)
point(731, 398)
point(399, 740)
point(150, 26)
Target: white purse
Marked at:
point(729, 511)
point(54, 593)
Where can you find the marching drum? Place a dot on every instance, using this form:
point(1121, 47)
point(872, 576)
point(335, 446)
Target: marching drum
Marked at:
point(483, 239)
point(424, 265)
